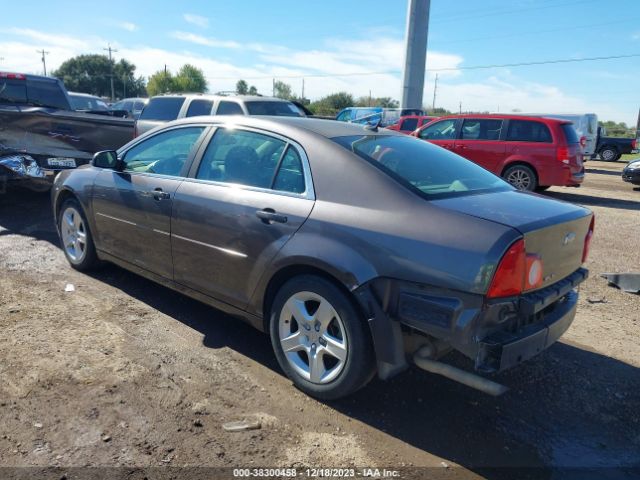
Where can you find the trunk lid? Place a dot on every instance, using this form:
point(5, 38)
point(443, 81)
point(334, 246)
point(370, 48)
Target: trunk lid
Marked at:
point(553, 230)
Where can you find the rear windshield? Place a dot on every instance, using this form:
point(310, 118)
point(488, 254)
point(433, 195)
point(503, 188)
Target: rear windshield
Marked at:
point(424, 168)
point(46, 93)
point(570, 133)
point(13, 91)
point(163, 108)
point(281, 109)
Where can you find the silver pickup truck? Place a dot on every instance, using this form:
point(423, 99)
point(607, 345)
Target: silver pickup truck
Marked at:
point(41, 135)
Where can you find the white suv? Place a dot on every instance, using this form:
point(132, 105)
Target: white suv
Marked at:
point(165, 108)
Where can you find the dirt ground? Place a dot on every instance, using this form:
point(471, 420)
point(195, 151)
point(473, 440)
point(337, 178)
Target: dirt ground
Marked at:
point(123, 372)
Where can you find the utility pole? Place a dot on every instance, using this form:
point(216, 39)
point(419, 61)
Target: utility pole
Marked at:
point(460, 111)
point(415, 53)
point(44, 61)
point(369, 97)
point(303, 90)
point(435, 89)
point(273, 87)
point(110, 50)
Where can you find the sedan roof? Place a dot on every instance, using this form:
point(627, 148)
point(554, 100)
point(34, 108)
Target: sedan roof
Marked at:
point(325, 128)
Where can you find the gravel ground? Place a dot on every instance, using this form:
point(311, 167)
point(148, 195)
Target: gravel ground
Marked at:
point(122, 372)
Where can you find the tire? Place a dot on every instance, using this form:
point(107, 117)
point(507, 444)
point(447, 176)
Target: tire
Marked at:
point(329, 322)
point(542, 188)
point(521, 177)
point(75, 236)
point(609, 154)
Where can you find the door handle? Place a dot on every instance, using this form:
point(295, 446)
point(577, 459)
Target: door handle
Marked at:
point(158, 194)
point(269, 216)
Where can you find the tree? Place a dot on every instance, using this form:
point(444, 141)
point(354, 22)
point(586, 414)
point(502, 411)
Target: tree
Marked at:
point(253, 90)
point(618, 129)
point(190, 79)
point(332, 104)
point(160, 82)
point(241, 87)
point(92, 74)
point(282, 90)
point(384, 102)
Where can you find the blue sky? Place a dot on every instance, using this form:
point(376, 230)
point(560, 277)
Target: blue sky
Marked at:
point(285, 39)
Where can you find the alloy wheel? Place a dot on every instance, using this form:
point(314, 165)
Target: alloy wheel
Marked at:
point(74, 234)
point(520, 179)
point(312, 336)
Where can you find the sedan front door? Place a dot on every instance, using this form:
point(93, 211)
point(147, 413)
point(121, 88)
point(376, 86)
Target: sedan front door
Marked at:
point(251, 192)
point(132, 208)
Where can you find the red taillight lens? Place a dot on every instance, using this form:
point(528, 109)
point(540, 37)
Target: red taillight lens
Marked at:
point(562, 154)
point(583, 141)
point(517, 272)
point(634, 144)
point(587, 239)
point(509, 277)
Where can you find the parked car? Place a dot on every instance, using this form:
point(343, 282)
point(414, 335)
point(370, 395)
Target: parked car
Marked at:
point(631, 172)
point(375, 115)
point(531, 153)
point(40, 134)
point(83, 102)
point(610, 149)
point(164, 108)
point(410, 123)
point(346, 243)
point(585, 125)
point(133, 106)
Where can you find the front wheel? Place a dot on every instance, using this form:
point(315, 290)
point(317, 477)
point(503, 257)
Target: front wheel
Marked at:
point(77, 242)
point(521, 177)
point(320, 339)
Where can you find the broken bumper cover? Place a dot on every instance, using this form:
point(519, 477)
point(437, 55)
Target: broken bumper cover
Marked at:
point(18, 167)
point(547, 314)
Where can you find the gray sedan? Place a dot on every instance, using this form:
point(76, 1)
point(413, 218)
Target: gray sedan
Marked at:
point(358, 250)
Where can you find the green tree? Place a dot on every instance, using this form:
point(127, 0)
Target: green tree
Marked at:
point(242, 88)
point(92, 74)
point(332, 104)
point(384, 102)
point(253, 90)
point(618, 129)
point(160, 82)
point(282, 90)
point(190, 79)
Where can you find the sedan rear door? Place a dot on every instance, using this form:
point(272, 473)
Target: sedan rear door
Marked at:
point(250, 192)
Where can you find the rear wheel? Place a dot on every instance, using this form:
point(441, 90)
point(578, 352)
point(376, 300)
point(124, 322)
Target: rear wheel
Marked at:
point(609, 154)
point(76, 238)
point(542, 188)
point(319, 338)
point(521, 177)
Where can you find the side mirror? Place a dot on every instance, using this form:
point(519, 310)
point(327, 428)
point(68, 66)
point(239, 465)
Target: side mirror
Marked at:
point(106, 159)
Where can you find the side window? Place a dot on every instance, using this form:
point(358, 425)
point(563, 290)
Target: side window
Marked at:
point(164, 153)
point(410, 124)
point(528, 131)
point(344, 116)
point(229, 108)
point(290, 177)
point(482, 129)
point(199, 107)
point(128, 106)
point(444, 130)
point(242, 157)
point(138, 106)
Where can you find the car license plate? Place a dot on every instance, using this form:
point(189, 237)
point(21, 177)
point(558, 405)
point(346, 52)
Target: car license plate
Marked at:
point(62, 162)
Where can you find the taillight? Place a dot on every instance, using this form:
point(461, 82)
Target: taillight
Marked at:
point(13, 76)
point(517, 272)
point(583, 141)
point(634, 144)
point(587, 239)
point(562, 154)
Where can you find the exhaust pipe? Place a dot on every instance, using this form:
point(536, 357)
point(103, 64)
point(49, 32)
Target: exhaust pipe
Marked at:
point(422, 359)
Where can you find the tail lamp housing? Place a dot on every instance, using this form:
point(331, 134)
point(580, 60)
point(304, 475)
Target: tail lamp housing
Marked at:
point(517, 272)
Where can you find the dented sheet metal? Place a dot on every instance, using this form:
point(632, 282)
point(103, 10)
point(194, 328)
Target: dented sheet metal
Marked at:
point(629, 282)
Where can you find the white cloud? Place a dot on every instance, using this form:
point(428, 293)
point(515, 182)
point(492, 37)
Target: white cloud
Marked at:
point(198, 20)
point(200, 40)
point(130, 27)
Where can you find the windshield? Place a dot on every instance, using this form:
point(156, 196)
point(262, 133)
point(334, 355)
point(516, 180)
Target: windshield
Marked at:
point(282, 109)
point(425, 168)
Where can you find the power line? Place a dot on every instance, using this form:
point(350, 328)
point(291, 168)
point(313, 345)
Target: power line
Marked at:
point(449, 69)
point(509, 12)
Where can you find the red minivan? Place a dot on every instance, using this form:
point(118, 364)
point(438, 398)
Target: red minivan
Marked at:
point(531, 153)
point(410, 123)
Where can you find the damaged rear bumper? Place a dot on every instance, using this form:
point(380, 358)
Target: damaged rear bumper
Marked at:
point(25, 169)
